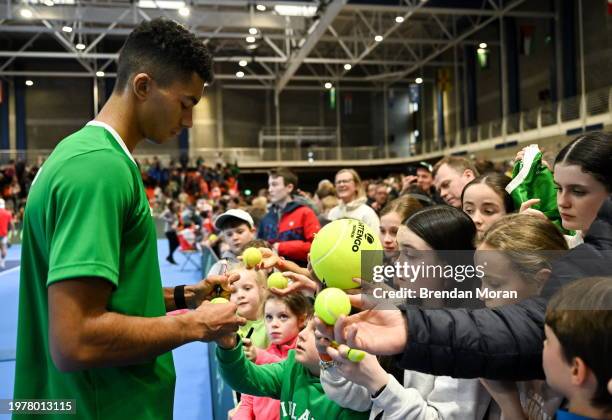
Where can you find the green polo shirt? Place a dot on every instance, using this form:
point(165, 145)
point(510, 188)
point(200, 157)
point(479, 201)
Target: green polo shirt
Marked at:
point(87, 215)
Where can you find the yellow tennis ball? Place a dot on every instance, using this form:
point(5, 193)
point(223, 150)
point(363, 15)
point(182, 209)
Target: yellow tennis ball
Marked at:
point(213, 238)
point(277, 280)
point(251, 257)
point(355, 355)
point(219, 300)
point(345, 249)
point(330, 304)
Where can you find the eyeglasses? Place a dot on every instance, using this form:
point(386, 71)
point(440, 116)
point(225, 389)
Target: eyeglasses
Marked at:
point(343, 181)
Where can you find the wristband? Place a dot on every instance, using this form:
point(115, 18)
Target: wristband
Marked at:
point(179, 297)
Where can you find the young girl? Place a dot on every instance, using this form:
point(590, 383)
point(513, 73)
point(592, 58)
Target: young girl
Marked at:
point(249, 296)
point(414, 395)
point(516, 253)
point(391, 218)
point(485, 200)
point(284, 317)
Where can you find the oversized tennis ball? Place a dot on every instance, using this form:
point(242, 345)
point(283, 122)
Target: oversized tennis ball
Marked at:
point(330, 304)
point(219, 300)
point(345, 249)
point(277, 280)
point(251, 257)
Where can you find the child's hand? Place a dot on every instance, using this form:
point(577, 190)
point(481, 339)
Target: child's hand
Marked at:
point(526, 208)
point(299, 283)
point(249, 349)
point(367, 373)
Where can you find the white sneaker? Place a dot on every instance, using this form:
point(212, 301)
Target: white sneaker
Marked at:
point(2, 264)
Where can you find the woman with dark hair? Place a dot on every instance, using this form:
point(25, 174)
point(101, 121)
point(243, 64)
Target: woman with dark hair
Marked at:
point(583, 177)
point(485, 200)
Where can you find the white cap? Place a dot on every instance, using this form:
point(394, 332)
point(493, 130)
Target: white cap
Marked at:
point(2, 204)
point(236, 213)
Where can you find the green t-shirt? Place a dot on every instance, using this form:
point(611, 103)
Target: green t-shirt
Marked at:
point(87, 215)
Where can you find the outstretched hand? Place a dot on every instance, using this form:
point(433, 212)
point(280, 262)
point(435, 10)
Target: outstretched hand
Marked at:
point(209, 288)
point(299, 283)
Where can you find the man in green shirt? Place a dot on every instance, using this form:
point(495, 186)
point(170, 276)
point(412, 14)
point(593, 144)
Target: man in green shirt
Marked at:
point(92, 313)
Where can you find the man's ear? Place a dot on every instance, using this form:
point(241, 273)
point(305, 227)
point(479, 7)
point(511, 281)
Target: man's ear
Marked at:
point(141, 86)
point(292, 190)
point(468, 173)
point(542, 277)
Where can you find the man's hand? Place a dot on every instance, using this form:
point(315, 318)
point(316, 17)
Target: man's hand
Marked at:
point(214, 321)
point(209, 288)
point(407, 181)
point(364, 329)
point(227, 342)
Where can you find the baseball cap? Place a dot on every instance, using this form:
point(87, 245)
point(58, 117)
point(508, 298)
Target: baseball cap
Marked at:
point(425, 165)
point(235, 213)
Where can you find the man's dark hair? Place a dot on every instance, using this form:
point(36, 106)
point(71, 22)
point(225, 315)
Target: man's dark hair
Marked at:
point(165, 50)
point(288, 176)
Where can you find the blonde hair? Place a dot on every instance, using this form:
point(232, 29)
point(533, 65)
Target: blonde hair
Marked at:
point(260, 281)
point(525, 239)
point(356, 179)
point(328, 203)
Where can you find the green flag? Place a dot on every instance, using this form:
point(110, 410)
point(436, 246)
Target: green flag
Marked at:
point(532, 179)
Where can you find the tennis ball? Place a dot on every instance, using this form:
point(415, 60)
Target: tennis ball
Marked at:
point(219, 300)
point(355, 355)
point(251, 257)
point(330, 304)
point(277, 280)
point(213, 238)
point(337, 253)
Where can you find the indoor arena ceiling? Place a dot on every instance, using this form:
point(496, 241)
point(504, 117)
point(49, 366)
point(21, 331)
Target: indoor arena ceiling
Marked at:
point(261, 44)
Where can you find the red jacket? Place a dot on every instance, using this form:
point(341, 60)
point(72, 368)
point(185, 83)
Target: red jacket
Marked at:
point(293, 227)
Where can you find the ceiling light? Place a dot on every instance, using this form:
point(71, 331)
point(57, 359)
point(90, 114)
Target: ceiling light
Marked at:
point(161, 4)
point(252, 46)
point(67, 29)
point(250, 39)
point(399, 19)
point(239, 74)
point(295, 10)
point(242, 63)
point(378, 38)
point(328, 85)
point(347, 67)
point(418, 80)
point(80, 46)
point(29, 83)
point(26, 13)
point(100, 73)
point(483, 45)
point(261, 7)
point(481, 51)
point(253, 31)
point(184, 11)
point(49, 3)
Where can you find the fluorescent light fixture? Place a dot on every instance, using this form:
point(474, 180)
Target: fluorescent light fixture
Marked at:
point(418, 80)
point(253, 31)
point(399, 19)
point(80, 46)
point(252, 46)
point(67, 29)
point(100, 73)
point(295, 10)
point(347, 67)
point(261, 7)
point(483, 45)
point(242, 63)
point(184, 11)
point(481, 51)
point(239, 74)
point(378, 38)
point(29, 83)
point(161, 4)
point(250, 39)
point(26, 13)
point(328, 85)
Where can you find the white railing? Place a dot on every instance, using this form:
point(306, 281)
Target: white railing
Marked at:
point(317, 146)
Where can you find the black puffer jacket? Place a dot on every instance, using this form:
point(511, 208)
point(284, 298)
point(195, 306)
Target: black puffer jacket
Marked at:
point(505, 342)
